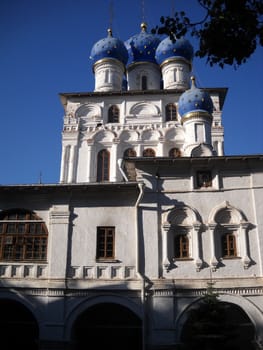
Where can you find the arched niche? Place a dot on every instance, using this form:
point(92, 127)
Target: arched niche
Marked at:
point(144, 108)
point(185, 223)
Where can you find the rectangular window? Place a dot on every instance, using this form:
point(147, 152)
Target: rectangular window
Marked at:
point(105, 242)
point(181, 246)
point(199, 133)
point(144, 82)
point(204, 179)
point(229, 245)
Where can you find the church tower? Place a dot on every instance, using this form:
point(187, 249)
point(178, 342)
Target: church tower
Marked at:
point(143, 72)
point(109, 56)
point(142, 106)
point(175, 60)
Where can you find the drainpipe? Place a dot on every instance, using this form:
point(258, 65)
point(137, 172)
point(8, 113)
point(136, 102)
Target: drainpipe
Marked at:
point(120, 163)
point(141, 188)
point(138, 201)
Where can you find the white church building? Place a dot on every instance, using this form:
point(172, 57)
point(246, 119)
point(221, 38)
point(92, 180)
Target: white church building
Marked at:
point(149, 218)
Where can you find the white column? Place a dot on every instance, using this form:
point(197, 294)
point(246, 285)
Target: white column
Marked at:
point(71, 163)
point(88, 161)
point(58, 241)
point(139, 150)
point(196, 248)
point(166, 262)
point(62, 165)
point(160, 147)
point(243, 238)
point(113, 161)
point(213, 260)
point(220, 149)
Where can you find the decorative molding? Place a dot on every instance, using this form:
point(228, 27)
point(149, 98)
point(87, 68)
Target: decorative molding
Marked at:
point(196, 292)
point(98, 272)
point(22, 271)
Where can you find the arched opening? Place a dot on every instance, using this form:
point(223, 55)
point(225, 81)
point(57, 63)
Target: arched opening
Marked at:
point(148, 152)
point(129, 152)
point(107, 326)
point(217, 325)
point(18, 327)
point(103, 166)
point(174, 153)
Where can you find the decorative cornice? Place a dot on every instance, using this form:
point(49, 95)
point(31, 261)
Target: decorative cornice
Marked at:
point(106, 61)
point(196, 292)
point(175, 60)
point(164, 292)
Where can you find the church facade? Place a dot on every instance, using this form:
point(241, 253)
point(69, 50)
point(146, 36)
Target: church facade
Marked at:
point(152, 238)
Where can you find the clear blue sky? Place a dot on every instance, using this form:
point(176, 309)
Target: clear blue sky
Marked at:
point(45, 47)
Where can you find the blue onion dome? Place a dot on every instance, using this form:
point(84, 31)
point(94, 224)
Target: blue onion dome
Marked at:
point(195, 100)
point(142, 47)
point(167, 49)
point(109, 47)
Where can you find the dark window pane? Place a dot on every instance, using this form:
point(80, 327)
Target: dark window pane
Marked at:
point(103, 165)
point(204, 179)
point(113, 114)
point(181, 246)
point(148, 152)
point(21, 228)
point(170, 112)
point(11, 228)
point(105, 242)
point(19, 240)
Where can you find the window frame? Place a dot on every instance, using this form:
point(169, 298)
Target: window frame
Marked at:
point(17, 241)
point(228, 239)
point(113, 114)
point(170, 112)
point(103, 165)
point(200, 183)
point(105, 244)
point(181, 246)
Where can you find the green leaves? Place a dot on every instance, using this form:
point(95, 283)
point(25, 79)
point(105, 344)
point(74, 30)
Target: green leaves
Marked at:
point(227, 35)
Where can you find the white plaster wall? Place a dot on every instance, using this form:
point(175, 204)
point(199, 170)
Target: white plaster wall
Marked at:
point(176, 75)
point(85, 231)
point(148, 69)
point(204, 202)
point(108, 75)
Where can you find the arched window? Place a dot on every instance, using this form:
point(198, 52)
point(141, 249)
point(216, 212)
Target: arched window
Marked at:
point(103, 165)
point(170, 112)
point(229, 245)
point(144, 82)
point(181, 246)
point(130, 152)
point(148, 152)
point(113, 114)
point(174, 153)
point(23, 236)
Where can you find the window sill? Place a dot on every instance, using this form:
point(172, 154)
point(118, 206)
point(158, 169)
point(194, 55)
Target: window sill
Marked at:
point(113, 261)
point(230, 258)
point(10, 261)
